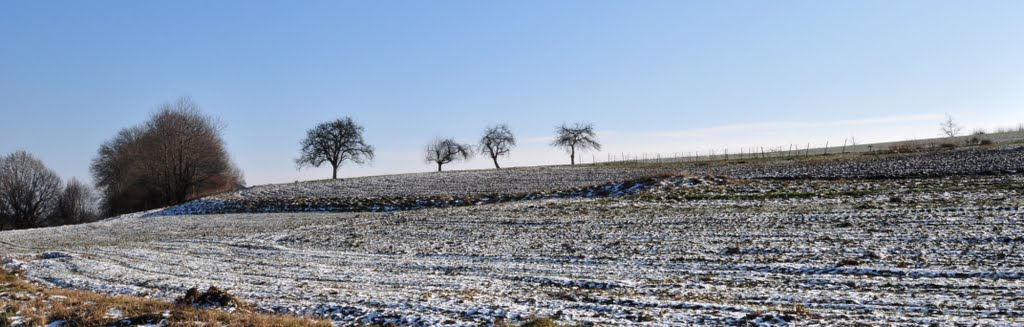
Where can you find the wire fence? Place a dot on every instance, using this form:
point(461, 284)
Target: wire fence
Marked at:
point(809, 149)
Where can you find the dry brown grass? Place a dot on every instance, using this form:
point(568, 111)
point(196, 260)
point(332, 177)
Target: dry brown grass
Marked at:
point(38, 306)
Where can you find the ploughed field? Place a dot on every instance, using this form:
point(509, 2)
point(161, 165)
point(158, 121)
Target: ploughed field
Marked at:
point(903, 239)
point(460, 188)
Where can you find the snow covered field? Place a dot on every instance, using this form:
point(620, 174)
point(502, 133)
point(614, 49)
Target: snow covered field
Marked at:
point(459, 188)
point(924, 242)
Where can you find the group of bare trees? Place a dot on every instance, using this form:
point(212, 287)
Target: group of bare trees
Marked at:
point(341, 140)
point(178, 154)
point(175, 156)
point(498, 141)
point(32, 195)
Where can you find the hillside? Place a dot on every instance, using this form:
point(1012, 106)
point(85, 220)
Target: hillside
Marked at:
point(458, 188)
point(902, 238)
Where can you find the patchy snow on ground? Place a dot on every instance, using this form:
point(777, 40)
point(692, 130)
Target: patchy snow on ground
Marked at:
point(910, 249)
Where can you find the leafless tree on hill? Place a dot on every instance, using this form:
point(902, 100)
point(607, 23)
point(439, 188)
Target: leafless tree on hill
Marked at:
point(176, 155)
point(119, 173)
point(443, 151)
point(335, 142)
point(949, 127)
point(497, 141)
point(188, 150)
point(28, 191)
point(76, 204)
point(579, 137)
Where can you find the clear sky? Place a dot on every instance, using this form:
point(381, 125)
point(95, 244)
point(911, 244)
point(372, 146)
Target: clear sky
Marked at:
point(653, 76)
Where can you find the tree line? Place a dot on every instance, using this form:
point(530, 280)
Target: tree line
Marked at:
point(32, 195)
point(177, 155)
point(337, 141)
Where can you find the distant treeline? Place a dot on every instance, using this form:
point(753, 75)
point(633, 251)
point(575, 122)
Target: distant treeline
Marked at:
point(32, 195)
point(173, 157)
point(178, 155)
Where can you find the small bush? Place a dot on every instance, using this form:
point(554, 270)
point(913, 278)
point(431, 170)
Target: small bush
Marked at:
point(733, 250)
point(848, 262)
point(213, 297)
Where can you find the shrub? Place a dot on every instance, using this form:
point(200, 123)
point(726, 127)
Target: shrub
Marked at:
point(848, 262)
point(213, 297)
point(733, 250)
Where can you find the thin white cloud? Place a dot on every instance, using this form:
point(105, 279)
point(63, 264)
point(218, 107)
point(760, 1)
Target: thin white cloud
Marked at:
point(788, 125)
point(536, 139)
point(536, 149)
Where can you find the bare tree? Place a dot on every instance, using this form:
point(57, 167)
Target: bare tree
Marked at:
point(76, 204)
point(28, 191)
point(335, 142)
point(176, 155)
point(497, 141)
point(949, 126)
point(579, 137)
point(119, 172)
point(189, 152)
point(442, 151)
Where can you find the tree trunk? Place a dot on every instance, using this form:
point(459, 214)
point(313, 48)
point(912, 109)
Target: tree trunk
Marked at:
point(334, 173)
point(438, 167)
point(572, 157)
point(495, 162)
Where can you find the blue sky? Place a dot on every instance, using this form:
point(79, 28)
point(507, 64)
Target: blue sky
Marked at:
point(654, 76)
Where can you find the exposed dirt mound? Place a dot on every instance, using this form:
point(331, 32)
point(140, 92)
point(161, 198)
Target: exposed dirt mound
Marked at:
point(213, 297)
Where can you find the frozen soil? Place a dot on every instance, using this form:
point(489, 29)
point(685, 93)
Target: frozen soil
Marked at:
point(461, 188)
point(910, 250)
